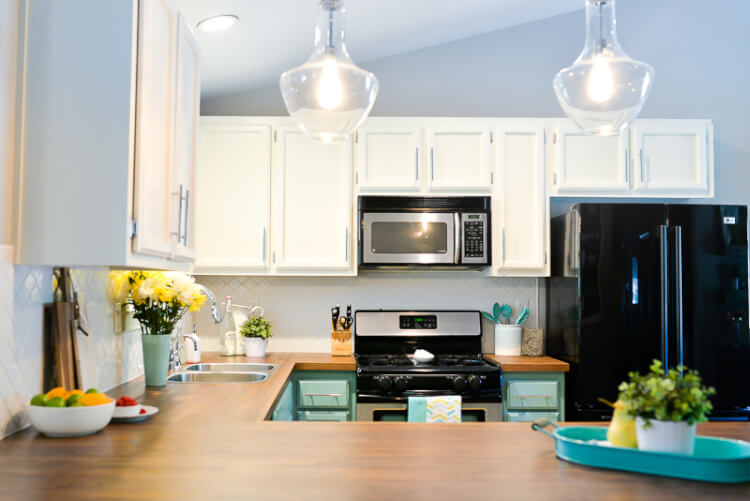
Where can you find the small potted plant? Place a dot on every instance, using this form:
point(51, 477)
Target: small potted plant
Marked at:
point(666, 407)
point(256, 331)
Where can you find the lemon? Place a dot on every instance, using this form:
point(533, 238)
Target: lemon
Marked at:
point(73, 399)
point(40, 400)
point(56, 402)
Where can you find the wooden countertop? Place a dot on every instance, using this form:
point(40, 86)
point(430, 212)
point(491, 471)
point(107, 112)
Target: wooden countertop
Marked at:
point(209, 441)
point(529, 364)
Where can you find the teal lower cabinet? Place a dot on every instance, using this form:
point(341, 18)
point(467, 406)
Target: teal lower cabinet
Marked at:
point(318, 396)
point(528, 396)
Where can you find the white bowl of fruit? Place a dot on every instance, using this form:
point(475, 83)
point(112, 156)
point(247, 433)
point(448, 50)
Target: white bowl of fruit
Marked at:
point(62, 413)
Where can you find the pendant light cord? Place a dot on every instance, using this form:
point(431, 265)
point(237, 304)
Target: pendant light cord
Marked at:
point(330, 29)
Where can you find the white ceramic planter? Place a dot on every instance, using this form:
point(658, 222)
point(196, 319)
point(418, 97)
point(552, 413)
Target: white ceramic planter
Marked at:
point(665, 436)
point(255, 347)
point(508, 339)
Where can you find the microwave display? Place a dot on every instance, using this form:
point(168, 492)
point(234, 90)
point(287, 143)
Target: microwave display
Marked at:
point(395, 237)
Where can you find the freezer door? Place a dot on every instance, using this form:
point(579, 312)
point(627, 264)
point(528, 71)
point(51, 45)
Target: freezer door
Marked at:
point(620, 324)
point(709, 315)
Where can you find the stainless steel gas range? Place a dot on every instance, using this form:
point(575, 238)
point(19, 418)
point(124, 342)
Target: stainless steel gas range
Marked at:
point(388, 372)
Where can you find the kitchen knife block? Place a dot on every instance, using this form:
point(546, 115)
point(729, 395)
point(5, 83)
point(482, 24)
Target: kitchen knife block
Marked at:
point(341, 342)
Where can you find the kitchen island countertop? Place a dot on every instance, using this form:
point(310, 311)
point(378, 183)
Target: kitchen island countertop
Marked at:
point(210, 441)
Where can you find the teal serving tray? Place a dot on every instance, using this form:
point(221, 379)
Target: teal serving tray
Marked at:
point(714, 459)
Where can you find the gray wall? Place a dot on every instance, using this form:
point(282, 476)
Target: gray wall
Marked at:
point(698, 48)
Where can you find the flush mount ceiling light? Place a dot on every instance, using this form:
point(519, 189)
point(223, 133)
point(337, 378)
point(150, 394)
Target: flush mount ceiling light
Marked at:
point(604, 89)
point(329, 96)
point(218, 23)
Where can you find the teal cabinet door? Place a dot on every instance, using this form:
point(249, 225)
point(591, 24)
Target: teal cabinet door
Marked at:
point(322, 416)
point(528, 396)
point(325, 395)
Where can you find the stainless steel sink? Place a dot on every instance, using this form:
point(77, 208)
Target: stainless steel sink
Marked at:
point(232, 367)
point(217, 377)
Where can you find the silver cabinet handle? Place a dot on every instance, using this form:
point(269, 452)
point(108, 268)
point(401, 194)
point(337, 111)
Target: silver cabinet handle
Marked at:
point(179, 216)
point(678, 292)
point(274, 257)
point(416, 163)
point(324, 395)
point(502, 245)
point(643, 168)
point(346, 245)
point(432, 164)
point(627, 166)
point(187, 217)
point(264, 245)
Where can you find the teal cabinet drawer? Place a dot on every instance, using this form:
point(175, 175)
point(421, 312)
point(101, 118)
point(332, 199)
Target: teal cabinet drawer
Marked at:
point(532, 395)
point(530, 417)
point(322, 416)
point(333, 393)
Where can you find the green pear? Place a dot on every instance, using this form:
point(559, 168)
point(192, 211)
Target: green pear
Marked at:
point(621, 432)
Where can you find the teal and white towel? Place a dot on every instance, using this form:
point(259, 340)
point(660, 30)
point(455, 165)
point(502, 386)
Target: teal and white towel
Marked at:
point(445, 409)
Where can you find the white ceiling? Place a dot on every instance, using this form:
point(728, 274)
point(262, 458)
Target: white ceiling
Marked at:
point(274, 35)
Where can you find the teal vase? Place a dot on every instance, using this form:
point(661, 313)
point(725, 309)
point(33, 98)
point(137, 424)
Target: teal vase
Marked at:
point(156, 358)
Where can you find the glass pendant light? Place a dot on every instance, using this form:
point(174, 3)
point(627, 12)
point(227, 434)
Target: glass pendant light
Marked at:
point(329, 96)
point(604, 89)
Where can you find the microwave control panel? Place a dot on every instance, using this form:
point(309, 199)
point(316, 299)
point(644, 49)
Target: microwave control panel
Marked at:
point(474, 233)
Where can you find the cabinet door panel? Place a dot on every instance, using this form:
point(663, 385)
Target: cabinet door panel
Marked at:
point(673, 157)
point(154, 145)
point(388, 156)
point(459, 157)
point(312, 200)
point(520, 208)
point(234, 170)
point(589, 165)
point(186, 139)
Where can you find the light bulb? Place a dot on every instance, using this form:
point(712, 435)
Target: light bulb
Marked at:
point(600, 86)
point(329, 96)
point(329, 89)
point(604, 89)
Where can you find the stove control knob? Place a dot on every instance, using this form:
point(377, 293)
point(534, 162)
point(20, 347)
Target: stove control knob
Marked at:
point(459, 382)
point(401, 382)
point(474, 382)
point(384, 382)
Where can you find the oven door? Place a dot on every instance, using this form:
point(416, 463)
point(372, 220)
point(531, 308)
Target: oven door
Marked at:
point(471, 412)
point(409, 238)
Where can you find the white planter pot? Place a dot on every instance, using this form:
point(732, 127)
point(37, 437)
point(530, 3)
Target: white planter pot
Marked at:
point(508, 339)
point(665, 436)
point(255, 347)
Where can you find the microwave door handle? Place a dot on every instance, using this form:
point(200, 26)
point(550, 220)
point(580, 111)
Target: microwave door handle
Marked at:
point(458, 237)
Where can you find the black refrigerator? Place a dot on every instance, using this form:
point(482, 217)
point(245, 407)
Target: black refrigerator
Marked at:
point(635, 282)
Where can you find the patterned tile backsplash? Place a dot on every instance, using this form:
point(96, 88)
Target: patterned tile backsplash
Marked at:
point(107, 359)
point(299, 307)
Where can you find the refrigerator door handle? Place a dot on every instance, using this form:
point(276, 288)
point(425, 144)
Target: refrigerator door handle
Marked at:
point(678, 292)
point(664, 279)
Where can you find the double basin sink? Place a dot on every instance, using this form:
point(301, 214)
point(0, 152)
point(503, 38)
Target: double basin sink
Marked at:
point(223, 373)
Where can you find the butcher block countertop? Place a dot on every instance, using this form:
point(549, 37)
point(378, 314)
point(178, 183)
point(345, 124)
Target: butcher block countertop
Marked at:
point(210, 441)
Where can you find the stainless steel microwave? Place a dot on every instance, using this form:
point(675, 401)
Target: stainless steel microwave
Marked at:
point(424, 232)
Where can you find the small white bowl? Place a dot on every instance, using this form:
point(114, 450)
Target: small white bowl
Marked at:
point(421, 355)
point(126, 411)
point(70, 421)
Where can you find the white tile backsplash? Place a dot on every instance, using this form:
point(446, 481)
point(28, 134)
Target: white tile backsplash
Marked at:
point(107, 359)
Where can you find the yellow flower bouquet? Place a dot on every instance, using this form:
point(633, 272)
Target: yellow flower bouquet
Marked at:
point(159, 299)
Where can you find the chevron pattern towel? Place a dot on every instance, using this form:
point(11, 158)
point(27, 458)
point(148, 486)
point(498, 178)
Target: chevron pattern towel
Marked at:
point(446, 409)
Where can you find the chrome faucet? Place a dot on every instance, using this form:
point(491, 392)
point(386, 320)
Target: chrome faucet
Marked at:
point(215, 314)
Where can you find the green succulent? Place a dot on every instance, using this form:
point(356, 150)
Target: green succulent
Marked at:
point(257, 327)
point(667, 397)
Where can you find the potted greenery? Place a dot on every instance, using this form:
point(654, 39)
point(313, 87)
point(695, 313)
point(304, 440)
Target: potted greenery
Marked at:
point(666, 407)
point(256, 331)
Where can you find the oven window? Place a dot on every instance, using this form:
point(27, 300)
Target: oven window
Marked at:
point(409, 238)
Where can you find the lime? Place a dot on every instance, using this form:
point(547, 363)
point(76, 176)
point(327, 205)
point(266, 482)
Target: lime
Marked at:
point(77, 404)
point(56, 402)
point(40, 399)
point(73, 399)
point(92, 390)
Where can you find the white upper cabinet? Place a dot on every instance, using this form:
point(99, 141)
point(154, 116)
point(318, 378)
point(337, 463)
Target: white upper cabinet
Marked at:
point(588, 165)
point(312, 195)
point(520, 208)
point(459, 155)
point(154, 141)
point(389, 156)
point(233, 216)
point(673, 157)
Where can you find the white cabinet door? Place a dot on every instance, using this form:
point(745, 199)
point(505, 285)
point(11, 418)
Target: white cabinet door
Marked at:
point(154, 146)
point(312, 205)
point(460, 157)
point(673, 158)
point(388, 154)
point(233, 216)
point(186, 138)
point(520, 209)
point(587, 165)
